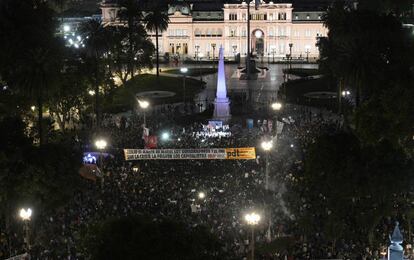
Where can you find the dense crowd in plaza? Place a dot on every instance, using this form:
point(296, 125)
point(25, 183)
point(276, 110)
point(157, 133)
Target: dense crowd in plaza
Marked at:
point(170, 189)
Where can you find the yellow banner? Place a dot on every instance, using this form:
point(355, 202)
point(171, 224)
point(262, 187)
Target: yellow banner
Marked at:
point(244, 153)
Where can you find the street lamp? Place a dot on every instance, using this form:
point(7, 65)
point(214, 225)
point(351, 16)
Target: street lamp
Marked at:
point(346, 93)
point(267, 146)
point(184, 70)
point(290, 55)
point(101, 145)
point(197, 47)
point(273, 54)
point(144, 105)
point(214, 49)
point(234, 51)
point(165, 136)
point(252, 220)
point(276, 106)
point(25, 215)
point(91, 92)
point(66, 28)
point(200, 56)
point(201, 195)
point(307, 47)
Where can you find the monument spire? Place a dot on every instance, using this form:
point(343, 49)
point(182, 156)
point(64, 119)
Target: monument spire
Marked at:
point(221, 92)
point(395, 250)
point(221, 103)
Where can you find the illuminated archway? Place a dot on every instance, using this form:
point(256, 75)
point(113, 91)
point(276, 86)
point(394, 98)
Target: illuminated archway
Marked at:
point(258, 42)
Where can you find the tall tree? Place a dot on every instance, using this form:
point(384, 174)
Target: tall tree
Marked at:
point(31, 55)
point(96, 46)
point(157, 21)
point(119, 46)
point(131, 14)
point(70, 97)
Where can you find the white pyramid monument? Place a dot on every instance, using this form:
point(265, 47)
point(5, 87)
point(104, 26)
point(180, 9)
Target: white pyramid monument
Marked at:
point(221, 103)
point(395, 250)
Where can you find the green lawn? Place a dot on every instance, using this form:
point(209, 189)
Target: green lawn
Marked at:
point(301, 72)
point(193, 72)
point(295, 90)
point(124, 98)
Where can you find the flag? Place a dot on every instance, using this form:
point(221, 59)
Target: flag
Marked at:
point(279, 127)
point(151, 142)
point(249, 123)
point(145, 133)
point(270, 125)
point(256, 4)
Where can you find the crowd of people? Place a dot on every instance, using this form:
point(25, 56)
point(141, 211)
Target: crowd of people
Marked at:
point(171, 188)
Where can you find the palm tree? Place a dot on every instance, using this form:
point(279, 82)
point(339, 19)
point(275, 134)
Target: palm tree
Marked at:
point(29, 66)
point(95, 41)
point(157, 20)
point(131, 13)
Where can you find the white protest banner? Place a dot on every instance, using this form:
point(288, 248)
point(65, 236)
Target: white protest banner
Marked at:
point(244, 153)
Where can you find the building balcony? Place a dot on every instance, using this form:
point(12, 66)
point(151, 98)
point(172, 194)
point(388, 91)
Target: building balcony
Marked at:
point(178, 37)
point(207, 36)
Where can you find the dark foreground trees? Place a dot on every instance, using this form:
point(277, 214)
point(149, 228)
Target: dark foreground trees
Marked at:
point(347, 189)
point(30, 56)
point(137, 237)
point(43, 178)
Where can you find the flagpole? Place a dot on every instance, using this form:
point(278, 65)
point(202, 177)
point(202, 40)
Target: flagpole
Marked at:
point(248, 41)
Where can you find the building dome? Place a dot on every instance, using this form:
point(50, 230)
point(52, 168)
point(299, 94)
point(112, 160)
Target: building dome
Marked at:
point(182, 8)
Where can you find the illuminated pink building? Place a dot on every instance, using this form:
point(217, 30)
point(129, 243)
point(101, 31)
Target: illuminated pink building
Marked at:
point(198, 30)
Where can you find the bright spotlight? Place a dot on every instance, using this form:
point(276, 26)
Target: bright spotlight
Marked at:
point(101, 144)
point(66, 28)
point(184, 70)
point(201, 195)
point(267, 145)
point(276, 106)
point(25, 214)
point(258, 34)
point(143, 104)
point(165, 136)
point(252, 218)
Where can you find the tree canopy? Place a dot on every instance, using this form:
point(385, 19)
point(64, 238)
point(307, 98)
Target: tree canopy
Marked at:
point(138, 237)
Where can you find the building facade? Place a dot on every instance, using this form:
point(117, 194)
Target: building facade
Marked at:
point(198, 30)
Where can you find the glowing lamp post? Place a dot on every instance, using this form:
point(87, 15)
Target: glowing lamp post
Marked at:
point(307, 52)
point(252, 220)
point(165, 136)
point(290, 55)
point(144, 105)
point(200, 55)
point(201, 195)
point(276, 106)
point(267, 147)
point(184, 71)
point(345, 93)
point(25, 215)
point(66, 28)
point(101, 145)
